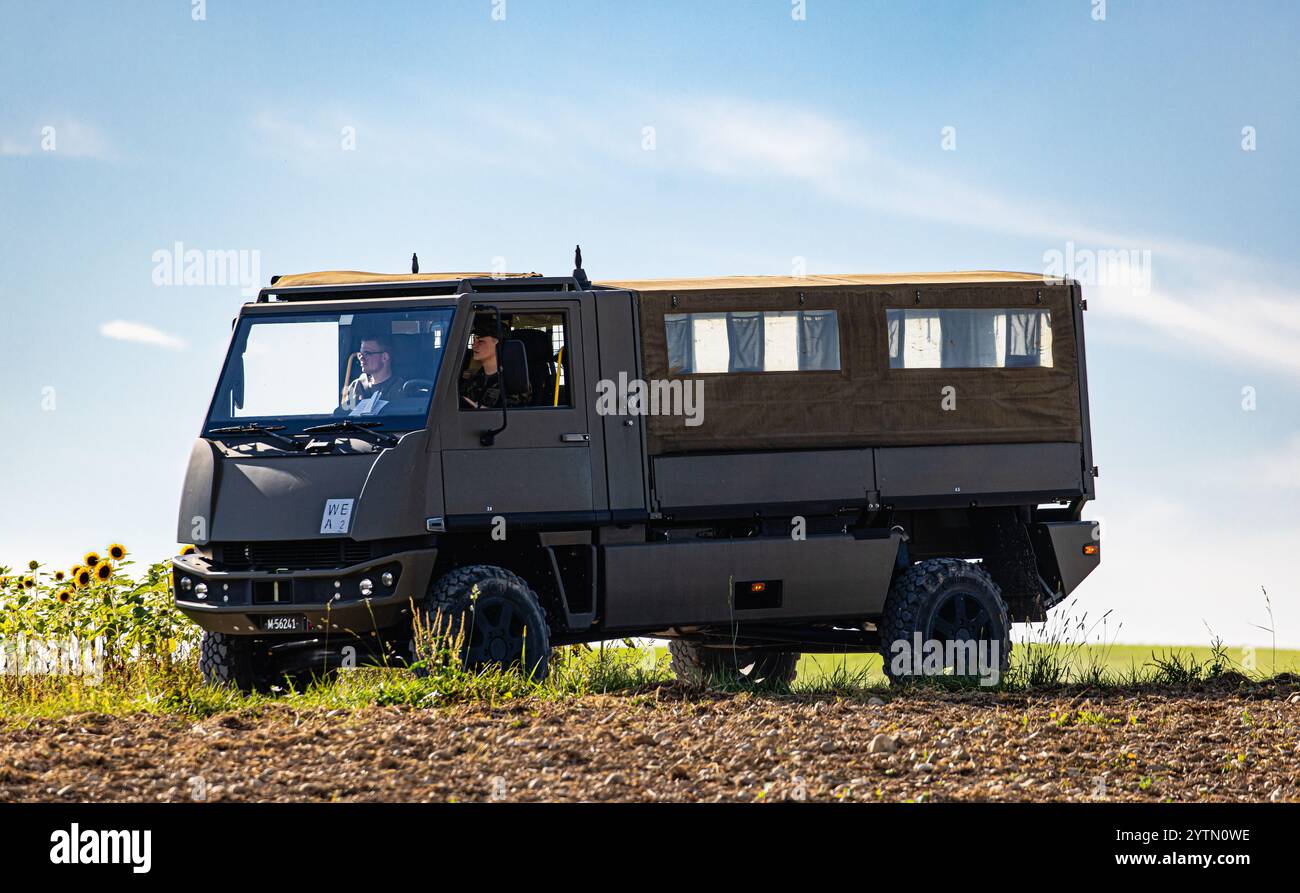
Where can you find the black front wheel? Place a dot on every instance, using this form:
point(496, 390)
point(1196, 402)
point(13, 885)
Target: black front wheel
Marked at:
point(233, 660)
point(486, 615)
point(945, 617)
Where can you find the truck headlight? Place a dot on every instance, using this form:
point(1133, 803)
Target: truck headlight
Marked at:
point(187, 584)
point(201, 590)
point(387, 579)
point(366, 587)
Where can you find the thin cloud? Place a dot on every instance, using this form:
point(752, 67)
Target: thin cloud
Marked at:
point(141, 333)
point(10, 146)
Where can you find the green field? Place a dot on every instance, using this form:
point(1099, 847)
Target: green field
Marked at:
point(1121, 661)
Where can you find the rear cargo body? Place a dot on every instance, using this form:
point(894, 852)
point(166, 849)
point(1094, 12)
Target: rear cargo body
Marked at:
point(816, 437)
point(1006, 436)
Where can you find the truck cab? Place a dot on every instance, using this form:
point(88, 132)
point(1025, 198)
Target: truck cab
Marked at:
point(346, 489)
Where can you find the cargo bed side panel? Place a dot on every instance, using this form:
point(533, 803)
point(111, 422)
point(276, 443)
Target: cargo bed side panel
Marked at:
point(656, 585)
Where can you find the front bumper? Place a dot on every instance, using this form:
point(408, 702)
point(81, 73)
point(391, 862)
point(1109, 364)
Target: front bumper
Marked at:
point(239, 602)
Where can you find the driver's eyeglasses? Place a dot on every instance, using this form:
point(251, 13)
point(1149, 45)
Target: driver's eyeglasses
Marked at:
point(363, 354)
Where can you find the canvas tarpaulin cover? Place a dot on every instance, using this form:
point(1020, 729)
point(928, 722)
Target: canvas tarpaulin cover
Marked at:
point(847, 393)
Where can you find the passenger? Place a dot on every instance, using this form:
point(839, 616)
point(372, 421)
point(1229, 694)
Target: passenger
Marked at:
point(377, 385)
point(481, 388)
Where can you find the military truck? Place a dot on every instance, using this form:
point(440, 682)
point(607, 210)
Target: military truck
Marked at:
point(749, 467)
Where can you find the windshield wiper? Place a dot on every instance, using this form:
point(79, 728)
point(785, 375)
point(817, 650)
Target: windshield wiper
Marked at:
point(361, 429)
point(266, 431)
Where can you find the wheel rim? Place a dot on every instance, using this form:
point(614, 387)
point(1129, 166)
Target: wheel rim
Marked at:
point(497, 632)
point(960, 617)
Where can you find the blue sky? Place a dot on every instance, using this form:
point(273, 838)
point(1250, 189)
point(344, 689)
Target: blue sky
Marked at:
point(773, 139)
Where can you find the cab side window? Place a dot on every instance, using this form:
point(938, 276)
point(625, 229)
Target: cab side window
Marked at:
point(544, 339)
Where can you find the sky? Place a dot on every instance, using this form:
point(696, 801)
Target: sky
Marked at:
point(672, 139)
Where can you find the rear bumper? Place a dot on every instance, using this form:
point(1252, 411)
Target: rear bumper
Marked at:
point(238, 602)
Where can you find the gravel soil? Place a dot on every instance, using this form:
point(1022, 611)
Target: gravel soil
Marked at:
point(670, 743)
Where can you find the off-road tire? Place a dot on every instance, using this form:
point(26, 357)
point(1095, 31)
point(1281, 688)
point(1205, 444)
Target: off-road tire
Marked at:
point(493, 614)
point(229, 660)
point(920, 593)
point(701, 666)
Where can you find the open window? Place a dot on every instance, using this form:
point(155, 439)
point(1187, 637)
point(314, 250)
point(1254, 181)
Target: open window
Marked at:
point(541, 342)
point(753, 341)
point(966, 338)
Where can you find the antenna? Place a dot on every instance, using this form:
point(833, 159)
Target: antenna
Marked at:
point(415, 263)
point(578, 272)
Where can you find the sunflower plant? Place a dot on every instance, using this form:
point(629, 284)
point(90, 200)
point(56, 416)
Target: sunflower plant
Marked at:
point(133, 616)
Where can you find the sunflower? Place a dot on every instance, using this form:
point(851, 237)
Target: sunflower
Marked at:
point(117, 551)
point(103, 571)
point(82, 577)
point(188, 549)
point(91, 559)
point(33, 564)
point(59, 576)
point(65, 595)
point(29, 583)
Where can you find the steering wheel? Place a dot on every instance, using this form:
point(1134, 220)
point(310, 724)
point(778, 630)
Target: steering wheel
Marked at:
point(417, 387)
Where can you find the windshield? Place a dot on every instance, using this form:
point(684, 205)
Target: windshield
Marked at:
point(297, 370)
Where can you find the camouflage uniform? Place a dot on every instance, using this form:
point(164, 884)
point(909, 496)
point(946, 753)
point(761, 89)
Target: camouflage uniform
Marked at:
point(485, 390)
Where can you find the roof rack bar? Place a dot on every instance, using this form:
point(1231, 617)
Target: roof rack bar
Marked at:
point(414, 288)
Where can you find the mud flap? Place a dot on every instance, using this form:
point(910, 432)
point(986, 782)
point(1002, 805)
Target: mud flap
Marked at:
point(1062, 559)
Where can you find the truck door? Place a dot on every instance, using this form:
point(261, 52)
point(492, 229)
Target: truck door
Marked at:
point(541, 464)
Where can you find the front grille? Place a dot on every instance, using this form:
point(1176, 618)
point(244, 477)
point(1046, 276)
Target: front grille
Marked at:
point(294, 555)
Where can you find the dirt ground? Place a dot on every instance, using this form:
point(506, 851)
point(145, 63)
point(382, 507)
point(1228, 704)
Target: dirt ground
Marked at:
point(668, 743)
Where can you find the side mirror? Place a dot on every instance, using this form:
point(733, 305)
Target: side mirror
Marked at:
point(512, 366)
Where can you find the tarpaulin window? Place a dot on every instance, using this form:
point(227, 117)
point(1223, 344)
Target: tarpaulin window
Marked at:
point(744, 342)
point(752, 341)
point(681, 344)
point(968, 338)
point(819, 340)
point(1027, 333)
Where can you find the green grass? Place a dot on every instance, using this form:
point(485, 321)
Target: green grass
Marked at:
point(1118, 662)
point(148, 687)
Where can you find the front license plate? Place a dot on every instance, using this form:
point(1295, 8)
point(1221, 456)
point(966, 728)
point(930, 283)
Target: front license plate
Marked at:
point(285, 623)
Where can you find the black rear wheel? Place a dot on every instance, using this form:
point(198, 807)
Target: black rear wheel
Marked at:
point(945, 615)
point(708, 665)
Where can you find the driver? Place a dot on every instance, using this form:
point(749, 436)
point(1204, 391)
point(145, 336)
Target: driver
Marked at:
point(377, 385)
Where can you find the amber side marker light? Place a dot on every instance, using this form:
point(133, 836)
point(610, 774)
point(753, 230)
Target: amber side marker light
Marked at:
point(1091, 549)
point(757, 587)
